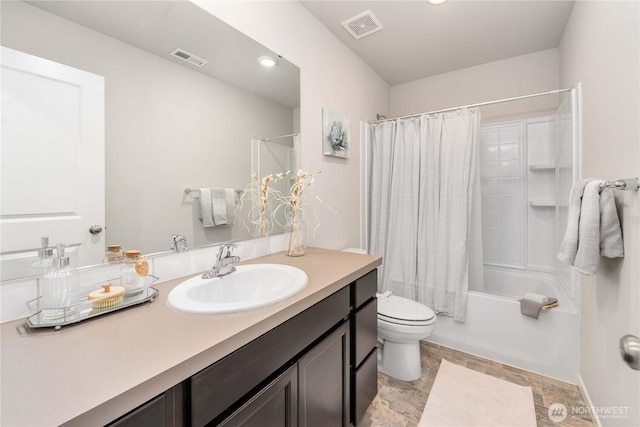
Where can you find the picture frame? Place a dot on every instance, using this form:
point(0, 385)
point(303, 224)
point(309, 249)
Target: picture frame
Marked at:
point(335, 133)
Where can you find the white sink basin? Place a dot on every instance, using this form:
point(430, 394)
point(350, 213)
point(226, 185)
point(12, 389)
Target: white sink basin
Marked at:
point(249, 287)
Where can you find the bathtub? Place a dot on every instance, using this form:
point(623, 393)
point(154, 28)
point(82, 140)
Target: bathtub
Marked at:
point(495, 329)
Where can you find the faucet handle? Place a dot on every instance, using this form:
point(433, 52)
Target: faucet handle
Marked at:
point(229, 247)
point(179, 243)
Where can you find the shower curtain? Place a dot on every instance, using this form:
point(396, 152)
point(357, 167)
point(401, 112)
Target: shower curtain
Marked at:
point(422, 172)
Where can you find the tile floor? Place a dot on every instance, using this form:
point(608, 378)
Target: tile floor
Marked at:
point(400, 403)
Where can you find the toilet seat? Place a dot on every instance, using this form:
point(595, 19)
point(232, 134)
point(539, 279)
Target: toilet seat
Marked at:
point(403, 311)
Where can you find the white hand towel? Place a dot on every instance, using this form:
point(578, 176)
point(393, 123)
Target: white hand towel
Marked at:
point(206, 211)
point(219, 205)
point(611, 245)
point(569, 245)
point(230, 196)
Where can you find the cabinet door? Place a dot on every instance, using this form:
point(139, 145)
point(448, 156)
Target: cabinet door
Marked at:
point(324, 382)
point(151, 414)
point(275, 405)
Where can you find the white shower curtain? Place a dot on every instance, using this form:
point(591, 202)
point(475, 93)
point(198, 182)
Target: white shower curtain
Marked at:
point(422, 173)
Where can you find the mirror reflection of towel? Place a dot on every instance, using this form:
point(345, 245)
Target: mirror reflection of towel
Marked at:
point(230, 196)
point(217, 206)
point(206, 210)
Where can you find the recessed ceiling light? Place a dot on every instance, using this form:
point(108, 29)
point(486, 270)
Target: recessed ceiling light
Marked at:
point(268, 61)
point(437, 1)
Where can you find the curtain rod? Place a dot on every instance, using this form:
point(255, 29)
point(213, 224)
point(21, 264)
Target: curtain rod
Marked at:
point(479, 104)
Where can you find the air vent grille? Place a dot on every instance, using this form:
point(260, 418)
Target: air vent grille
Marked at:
point(362, 25)
point(189, 57)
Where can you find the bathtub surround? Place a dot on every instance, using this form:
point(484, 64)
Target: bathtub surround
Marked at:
point(422, 172)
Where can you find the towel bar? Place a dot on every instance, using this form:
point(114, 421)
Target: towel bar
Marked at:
point(189, 190)
point(622, 184)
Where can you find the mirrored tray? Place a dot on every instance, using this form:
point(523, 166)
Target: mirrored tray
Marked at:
point(85, 310)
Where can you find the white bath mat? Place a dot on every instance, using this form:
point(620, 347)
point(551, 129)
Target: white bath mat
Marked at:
point(463, 397)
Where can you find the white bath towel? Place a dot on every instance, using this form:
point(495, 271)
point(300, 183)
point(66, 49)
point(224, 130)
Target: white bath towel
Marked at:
point(219, 206)
point(599, 229)
point(569, 245)
point(206, 210)
point(230, 198)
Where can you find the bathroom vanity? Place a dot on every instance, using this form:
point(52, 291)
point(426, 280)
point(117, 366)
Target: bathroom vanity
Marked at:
point(309, 360)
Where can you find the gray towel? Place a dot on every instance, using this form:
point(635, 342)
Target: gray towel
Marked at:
point(611, 245)
point(530, 308)
point(599, 231)
point(569, 245)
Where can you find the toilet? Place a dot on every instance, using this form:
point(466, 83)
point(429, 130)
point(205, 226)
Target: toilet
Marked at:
point(402, 323)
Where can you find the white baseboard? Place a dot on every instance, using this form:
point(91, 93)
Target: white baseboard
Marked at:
point(587, 400)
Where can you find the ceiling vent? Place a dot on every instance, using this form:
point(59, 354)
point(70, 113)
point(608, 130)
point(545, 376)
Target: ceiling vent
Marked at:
point(186, 56)
point(362, 25)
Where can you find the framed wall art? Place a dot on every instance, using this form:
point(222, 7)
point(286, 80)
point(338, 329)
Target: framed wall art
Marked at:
point(335, 134)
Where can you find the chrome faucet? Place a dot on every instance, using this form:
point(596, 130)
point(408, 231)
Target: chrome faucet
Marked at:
point(224, 263)
point(179, 243)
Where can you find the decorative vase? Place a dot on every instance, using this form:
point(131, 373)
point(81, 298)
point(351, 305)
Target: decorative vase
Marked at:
point(296, 237)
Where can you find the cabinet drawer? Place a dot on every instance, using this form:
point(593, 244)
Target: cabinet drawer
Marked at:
point(363, 289)
point(365, 331)
point(365, 383)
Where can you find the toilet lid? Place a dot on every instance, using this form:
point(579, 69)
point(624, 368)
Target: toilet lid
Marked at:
point(403, 310)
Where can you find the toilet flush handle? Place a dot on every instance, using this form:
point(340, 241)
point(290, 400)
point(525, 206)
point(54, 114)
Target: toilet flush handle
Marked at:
point(383, 297)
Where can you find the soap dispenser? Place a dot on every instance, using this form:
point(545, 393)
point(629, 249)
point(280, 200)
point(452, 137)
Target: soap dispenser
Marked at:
point(44, 262)
point(60, 288)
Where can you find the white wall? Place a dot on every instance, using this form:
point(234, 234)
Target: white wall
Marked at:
point(331, 76)
point(167, 127)
point(521, 75)
point(601, 49)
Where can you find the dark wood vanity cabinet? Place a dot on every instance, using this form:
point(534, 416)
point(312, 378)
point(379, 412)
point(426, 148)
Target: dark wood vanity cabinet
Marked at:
point(318, 368)
point(274, 405)
point(364, 338)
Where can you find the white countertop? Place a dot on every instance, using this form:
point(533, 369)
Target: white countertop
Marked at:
point(93, 372)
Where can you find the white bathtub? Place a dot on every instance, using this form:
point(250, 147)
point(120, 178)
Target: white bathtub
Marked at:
point(495, 329)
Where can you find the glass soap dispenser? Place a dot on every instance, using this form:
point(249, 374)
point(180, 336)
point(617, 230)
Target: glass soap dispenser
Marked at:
point(60, 288)
point(44, 262)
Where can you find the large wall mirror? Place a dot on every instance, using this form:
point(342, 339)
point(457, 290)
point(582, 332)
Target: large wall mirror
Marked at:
point(170, 123)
